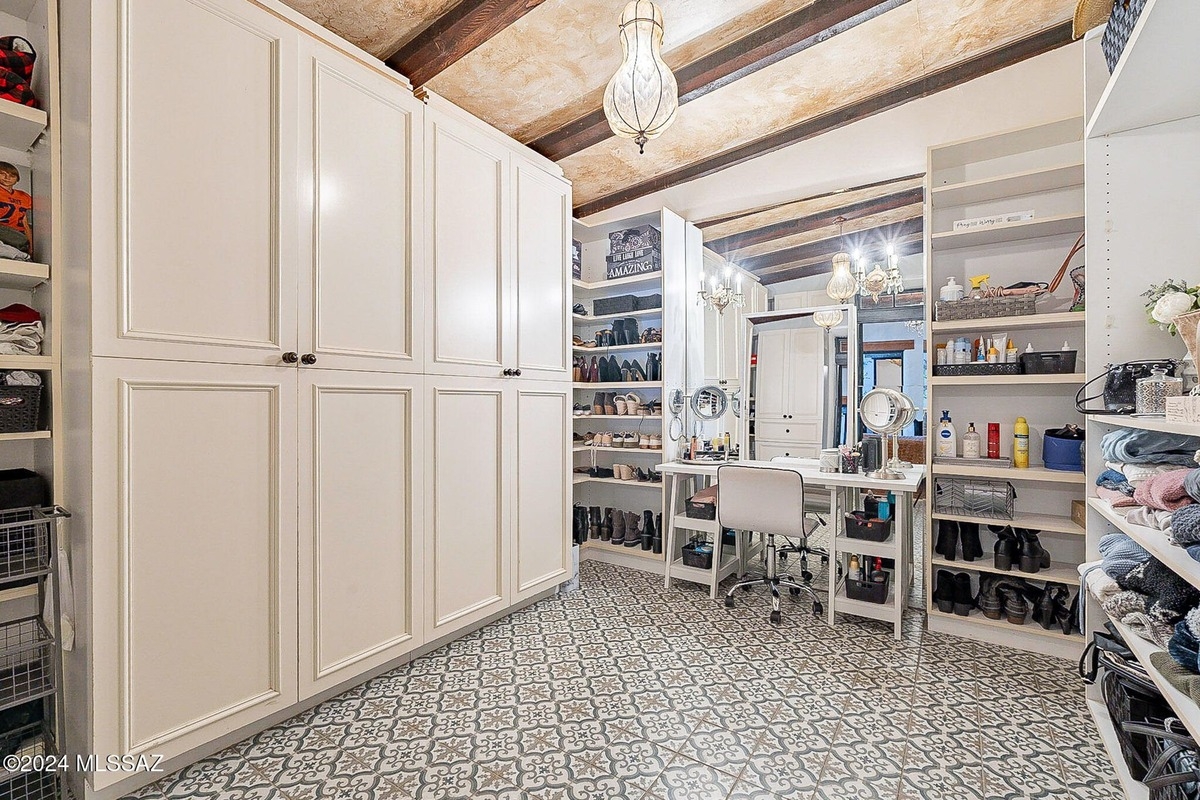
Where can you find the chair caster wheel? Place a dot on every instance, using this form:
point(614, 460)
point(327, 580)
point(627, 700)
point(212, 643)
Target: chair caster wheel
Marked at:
point(808, 576)
point(824, 559)
point(818, 609)
point(745, 588)
point(729, 602)
point(776, 618)
point(794, 591)
point(782, 556)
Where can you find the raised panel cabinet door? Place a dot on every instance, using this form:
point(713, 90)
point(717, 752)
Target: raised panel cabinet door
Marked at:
point(771, 390)
point(542, 291)
point(361, 587)
point(467, 504)
point(196, 213)
point(361, 291)
point(468, 243)
point(193, 557)
point(541, 539)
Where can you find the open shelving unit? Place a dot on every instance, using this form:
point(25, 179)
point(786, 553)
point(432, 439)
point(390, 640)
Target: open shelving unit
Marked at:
point(1141, 169)
point(1038, 169)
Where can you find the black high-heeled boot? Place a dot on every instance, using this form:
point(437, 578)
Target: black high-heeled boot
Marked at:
point(656, 544)
point(631, 330)
point(947, 539)
point(580, 529)
point(943, 595)
point(606, 525)
point(648, 530)
point(968, 536)
point(594, 521)
point(1008, 548)
point(964, 598)
point(626, 373)
point(636, 373)
point(1066, 616)
point(1034, 557)
point(653, 367)
point(620, 337)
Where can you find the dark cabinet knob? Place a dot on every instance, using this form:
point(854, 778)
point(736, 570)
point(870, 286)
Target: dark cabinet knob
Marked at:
point(290, 358)
point(507, 373)
point(308, 358)
point(517, 372)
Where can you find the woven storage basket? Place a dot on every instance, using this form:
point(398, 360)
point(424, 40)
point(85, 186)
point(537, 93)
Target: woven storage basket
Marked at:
point(986, 308)
point(961, 370)
point(19, 407)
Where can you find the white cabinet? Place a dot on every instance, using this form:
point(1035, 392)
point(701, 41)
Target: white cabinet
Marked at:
point(541, 287)
point(193, 576)
point(789, 401)
point(361, 288)
point(361, 584)
point(541, 555)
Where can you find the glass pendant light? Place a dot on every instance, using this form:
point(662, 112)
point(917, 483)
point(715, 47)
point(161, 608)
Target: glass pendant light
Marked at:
point(641, 99)
point(842, 284)
point(828, 318)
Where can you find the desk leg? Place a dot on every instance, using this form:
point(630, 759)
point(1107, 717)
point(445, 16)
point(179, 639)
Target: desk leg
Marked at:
point(904, 550)
point(669, 538)
point(836, 498)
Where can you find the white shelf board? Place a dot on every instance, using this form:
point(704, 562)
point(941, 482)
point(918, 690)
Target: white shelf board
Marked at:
point(1037, 522)
point(17, 437)
point(681, 571)
point(23, 275)
point(884, 549)
point(19, 592)
point(885, 611)
point(579, 479)
point(617, 416)
point(18, 8)
point(597, 544)
point(693, 524)
point(1058, 572)
point(1056, 320)
point(1011, 185)
point(1134, 789)
point(1155, 80)
point(583, 319)
point(584, 448)
point(620, 385)
point(1073, 378)
point(1036, 474)
point(651, 280)
point(1014, 232)
point(1154, 541)
point(1184, 705)
point(620, 348)
point(1148, 424)
point(26, 362)
point(1030, 627)
point(20, 126)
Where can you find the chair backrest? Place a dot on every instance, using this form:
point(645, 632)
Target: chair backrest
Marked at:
point(763, 499)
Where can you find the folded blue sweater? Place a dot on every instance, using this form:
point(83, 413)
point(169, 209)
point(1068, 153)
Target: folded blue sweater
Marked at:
point(1134, 446)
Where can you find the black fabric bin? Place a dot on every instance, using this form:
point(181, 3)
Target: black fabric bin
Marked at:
point(22, 488)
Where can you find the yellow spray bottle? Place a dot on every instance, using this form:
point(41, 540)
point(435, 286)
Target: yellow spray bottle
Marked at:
point(1021, 444)
point(978, 282)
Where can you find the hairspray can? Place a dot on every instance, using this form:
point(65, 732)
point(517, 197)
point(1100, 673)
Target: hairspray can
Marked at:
point(993, 440)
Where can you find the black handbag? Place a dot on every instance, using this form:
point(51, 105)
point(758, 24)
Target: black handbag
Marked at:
point(1104, 642)
point(1120, 386)
point(1173, 771)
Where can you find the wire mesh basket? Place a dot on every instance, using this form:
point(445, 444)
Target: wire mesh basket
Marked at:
point(26, 542)
point(974, 497)
point(27, 652)
point(30, 744)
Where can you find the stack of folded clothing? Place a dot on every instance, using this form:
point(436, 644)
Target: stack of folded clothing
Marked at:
point(1119, 555)
point(1147, 597)
point(21, 331)
point(1179, 663)
point(1139, 447)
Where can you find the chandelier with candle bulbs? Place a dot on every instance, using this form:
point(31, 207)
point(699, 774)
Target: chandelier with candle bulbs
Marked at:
point(850, 276)
point(720, 293)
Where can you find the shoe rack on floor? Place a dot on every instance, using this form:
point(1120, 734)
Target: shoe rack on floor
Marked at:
point(670, 318)
point(1037, 169)
point(1143, 133)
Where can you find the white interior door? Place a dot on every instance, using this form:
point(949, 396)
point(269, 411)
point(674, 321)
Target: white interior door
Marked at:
point(467, 510)
point(201, 203)
point(771, 387)
point(468, 249)
point(806, 385)
point(541, 542)
point(361, 496)
point(194, 553)
point(542, 257)
point(361, 297)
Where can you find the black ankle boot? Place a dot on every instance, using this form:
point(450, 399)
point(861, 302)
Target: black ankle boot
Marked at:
point(656, 544)
point(1008, 548)
point(968, 535)
point(964, 599)
point(988, 600)
point(947, 539)
point(606, 525)
point(619, 336)
point(943, 595)
point(1043, 606)
point(648, 530)
point(1066, 616)
point(1034, 557)
point(581, 524)
point(594, 519)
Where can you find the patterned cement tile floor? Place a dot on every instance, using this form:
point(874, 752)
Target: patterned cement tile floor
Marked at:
point(624, 689)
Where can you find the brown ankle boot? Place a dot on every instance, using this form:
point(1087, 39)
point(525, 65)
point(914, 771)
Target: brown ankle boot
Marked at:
point(632, 537)
point(618, 527)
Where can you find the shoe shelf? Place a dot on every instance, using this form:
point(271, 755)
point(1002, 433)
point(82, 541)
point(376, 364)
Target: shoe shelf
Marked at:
point(597, 544)
point(631, 283)
point(1134, 789)
point(642, 484)
point(618, 348)
point(22, 275)
point(1037, 474)
point(1058, 572)
point(1059, 320)
point(584, 448)
point(1072, 378)
point(1030, 627)
point(584, 319)
point(1152, 540)
point(1038, 522)
point(618, 416)
point(1150, 424)
point(619, 385)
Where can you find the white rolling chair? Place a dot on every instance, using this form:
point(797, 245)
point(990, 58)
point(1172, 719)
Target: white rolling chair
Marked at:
point(771, 501)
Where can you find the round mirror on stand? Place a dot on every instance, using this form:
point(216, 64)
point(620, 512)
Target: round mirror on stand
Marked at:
point(888, 412)
point(709, 403)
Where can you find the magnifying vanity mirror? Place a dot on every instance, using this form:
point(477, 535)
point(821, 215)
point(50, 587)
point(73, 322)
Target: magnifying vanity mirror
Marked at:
point(709, 403)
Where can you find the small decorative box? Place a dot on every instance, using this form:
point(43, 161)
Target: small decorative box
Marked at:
point(1184, 409)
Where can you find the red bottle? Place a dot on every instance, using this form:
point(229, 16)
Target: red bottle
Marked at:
point(993, 440)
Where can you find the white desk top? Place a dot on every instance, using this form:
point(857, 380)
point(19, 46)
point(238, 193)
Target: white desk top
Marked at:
point(810, 470)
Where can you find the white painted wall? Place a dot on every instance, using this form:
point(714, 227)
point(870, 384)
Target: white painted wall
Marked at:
point(887, 145)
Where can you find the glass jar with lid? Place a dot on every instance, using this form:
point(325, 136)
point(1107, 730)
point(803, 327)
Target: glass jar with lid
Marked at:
point(1152, 392)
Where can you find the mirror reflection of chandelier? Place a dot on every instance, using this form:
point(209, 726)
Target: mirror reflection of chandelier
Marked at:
point(720, 294)
point(850, 277)
point(828, 318)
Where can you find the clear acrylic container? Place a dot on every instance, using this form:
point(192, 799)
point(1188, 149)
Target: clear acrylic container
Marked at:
point(1152, 392)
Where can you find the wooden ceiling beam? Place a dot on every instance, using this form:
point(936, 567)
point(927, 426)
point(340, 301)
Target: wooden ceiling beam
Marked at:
point(454, 34)
point(786, 36)
point(870, 239)
point(779, 230)
point(945, 78)
point(882, 186)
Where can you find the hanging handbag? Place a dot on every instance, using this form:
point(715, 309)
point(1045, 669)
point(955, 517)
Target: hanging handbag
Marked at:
point(1120, 386)
point(1107, 641)
point(16, 70)
point(1173, 770)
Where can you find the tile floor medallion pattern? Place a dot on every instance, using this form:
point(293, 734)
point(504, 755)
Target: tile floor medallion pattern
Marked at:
point(624, 689)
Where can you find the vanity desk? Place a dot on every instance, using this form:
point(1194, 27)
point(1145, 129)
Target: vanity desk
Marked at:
point(683, 479)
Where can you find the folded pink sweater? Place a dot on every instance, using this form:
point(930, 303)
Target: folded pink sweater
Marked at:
point(1164, 491)
point(1116, 499)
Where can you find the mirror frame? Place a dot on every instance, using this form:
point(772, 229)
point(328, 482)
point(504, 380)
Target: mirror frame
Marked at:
point(849, 319)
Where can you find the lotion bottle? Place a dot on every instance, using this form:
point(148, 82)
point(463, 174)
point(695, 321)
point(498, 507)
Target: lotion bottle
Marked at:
point(947, 437)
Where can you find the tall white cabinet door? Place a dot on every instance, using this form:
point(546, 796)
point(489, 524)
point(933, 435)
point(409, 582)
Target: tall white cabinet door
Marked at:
point(772, 389)
point(361, 583)
point(541, 555)
point(468, 248)
point(540, 277)
point(193, 566)
point(196, 218)
point(467, 505)
point(361, 282)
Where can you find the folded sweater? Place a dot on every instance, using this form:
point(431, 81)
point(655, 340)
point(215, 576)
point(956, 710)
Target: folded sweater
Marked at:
point(1168, 596)
point(1120, 554)
point(1135, 446)
point(1164, 491)
point(1191, 484)
point(1185, 526)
